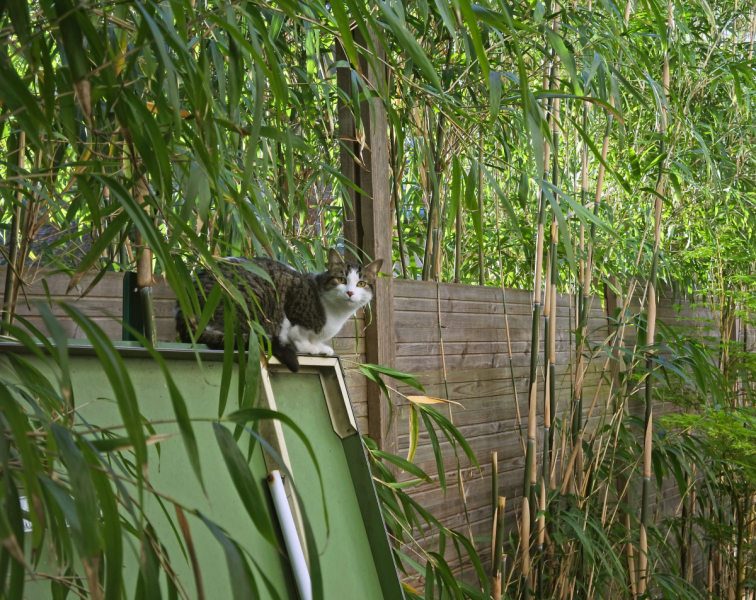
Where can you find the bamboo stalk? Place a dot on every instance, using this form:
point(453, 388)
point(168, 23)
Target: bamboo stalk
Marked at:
point(541, 539)
point(481, 253)
point(651, 334)
point(494, 488)
point(396, 193)
point(438, 169)
point(144, 279)
point(630, 553)
point(458, 243)
point(497, 554)
point(544, 478)
point(552, 352)
point(435, 170)
point(525, 544)
point(547, 330)
point(684, 525)
point(689, 566)
point(531, 477)
point(400, 239)
point(549, 404)
point(11, 270)
point(29, 228)
point(433, 204)
point(580, 315)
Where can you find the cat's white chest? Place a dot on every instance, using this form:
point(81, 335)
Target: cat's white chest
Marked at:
point(333, 325)
point(308, 341)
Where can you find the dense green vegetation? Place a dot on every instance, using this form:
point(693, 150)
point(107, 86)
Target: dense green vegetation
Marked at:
point(162, 135)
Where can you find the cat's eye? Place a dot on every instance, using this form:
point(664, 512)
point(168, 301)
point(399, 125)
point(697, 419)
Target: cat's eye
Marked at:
point(361, 283)
point(340, 280)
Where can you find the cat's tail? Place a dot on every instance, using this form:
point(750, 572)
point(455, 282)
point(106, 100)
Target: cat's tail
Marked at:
point(211, 337)
point(181, 325)
point(285, 353)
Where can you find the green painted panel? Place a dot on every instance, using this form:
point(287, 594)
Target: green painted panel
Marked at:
point(355, 555)
point(171, 474)
point(346, 558)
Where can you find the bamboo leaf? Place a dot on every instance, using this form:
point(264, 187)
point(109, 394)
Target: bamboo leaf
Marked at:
point(16, 97)
point(398, 375)
point(245, 415)
point(242, 583)
point(471, 201)
point(436, 451)
point(402, 464)
point(414, 432)
point(446, 16)
point(119, 379)
point(456, 193)
point(504, 201)
point(209, 309)
point(32, 466)
point(472, 26)
point(96, 250)
point(342, 22)
point(84, 497)
point(494, 86)
point(179, 409)
point(409, 43)
point(244, 483)
point(19, 17)
point(557, 43)
point(427, 400)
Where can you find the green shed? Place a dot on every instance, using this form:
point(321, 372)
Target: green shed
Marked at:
point(354, 553)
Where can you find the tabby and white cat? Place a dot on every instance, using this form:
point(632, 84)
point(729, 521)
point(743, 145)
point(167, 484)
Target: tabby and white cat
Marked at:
point(300, 312)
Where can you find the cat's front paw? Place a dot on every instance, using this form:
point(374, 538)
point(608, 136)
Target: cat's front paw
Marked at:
point(327, 350)
point(305, 347)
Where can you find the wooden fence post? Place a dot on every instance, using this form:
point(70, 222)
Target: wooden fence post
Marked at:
point(367, 223)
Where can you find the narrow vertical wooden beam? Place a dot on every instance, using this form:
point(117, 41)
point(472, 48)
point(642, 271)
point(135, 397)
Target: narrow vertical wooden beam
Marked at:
point(347, 151)
point(367, 224)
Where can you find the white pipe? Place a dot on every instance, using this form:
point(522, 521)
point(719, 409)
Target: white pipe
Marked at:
point(291, 539)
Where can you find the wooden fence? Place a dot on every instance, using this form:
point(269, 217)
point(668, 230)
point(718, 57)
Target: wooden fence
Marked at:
point(470, 319)
point(472, 324)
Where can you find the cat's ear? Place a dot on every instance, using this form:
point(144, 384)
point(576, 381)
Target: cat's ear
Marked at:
point(334, 258)
point(373, 268)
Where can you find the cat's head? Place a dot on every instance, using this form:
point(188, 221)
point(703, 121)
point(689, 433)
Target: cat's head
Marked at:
point(349, 284)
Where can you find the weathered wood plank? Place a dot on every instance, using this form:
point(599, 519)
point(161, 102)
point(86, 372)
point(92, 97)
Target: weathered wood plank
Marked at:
point(412, 335)
point(430, 305)
point(472, 320)
point(421, 364)
point(471, 347)
point(408, 288)
point(110, 286)
point(93, 306)
point(435, 376)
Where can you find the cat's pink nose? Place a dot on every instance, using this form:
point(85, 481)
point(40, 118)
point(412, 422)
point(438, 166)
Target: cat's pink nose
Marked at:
point(350, 294)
